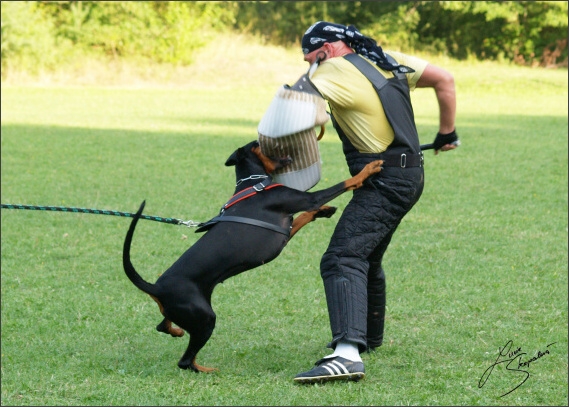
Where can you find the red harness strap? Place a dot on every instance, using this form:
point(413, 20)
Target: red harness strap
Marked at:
point(246, 193)
point(238, 197)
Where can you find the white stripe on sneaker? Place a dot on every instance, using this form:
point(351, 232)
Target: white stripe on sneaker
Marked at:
point(332, 373)
point(335, 368)
point(341, 366)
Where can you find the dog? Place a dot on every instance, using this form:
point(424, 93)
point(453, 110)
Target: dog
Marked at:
point(252, 229)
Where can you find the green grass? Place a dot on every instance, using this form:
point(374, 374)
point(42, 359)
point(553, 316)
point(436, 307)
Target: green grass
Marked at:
point(480, 260)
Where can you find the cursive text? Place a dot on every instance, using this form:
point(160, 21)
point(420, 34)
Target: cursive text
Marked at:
point(511, 358)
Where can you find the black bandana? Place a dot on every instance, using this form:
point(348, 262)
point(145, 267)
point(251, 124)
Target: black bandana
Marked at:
point(322, 32)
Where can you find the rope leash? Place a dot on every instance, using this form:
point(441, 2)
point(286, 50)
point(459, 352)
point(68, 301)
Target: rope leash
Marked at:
point(172, 221)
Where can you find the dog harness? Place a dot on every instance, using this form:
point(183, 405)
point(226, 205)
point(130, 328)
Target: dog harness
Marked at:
point(238, 197)
point(249, 192)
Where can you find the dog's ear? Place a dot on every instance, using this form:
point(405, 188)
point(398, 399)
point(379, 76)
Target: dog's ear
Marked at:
point(234, 158)
point(240, 153)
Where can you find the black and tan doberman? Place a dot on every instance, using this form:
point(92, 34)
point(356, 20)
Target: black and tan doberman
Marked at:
point(251, 230)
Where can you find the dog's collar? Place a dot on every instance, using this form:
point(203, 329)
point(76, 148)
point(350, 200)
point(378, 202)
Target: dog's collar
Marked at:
point(255, 176)
point(263, 184)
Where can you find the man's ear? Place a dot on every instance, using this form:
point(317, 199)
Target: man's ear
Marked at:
point(327, 49)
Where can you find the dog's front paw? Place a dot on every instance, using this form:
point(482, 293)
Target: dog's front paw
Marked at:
point(325, 212)
point(373, 167)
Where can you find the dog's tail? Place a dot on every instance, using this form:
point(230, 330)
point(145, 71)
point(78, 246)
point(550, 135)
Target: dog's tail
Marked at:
point(131, 273)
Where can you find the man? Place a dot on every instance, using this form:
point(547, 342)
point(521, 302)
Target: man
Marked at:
point(374, 121)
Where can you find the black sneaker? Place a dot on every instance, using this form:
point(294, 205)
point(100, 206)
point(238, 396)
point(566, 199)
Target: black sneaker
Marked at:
point(328, 369)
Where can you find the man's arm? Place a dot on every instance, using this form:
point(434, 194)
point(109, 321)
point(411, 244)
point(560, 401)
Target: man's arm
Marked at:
point(443, 83)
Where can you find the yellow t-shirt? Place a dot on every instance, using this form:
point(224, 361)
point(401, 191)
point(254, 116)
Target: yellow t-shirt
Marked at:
point(354, 102)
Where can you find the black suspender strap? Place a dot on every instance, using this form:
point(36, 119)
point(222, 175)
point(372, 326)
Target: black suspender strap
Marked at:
point(372, 74)
point(396, 103)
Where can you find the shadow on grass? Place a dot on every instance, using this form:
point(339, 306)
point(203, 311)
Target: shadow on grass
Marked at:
point(56, 164)
point(53, 165)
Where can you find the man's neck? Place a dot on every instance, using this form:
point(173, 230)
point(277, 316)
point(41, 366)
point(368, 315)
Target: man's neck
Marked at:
point(339, 49)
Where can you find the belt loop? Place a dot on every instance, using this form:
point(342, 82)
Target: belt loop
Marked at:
point(403, 160)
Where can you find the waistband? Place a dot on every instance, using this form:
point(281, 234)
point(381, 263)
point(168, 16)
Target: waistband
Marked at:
point(403, 160)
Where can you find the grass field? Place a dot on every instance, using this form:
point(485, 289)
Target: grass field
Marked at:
point(480, 261)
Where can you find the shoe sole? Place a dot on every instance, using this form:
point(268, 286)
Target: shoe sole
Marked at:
point(328, 378)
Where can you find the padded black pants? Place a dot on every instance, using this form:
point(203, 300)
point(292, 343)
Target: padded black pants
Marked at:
point(351, 269)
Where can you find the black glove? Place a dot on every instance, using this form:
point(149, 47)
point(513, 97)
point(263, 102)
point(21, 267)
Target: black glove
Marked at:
point(444, 139)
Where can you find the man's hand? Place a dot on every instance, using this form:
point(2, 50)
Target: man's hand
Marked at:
point(446, 142)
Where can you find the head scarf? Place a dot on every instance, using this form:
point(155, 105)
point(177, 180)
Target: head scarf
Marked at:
point(322, 32)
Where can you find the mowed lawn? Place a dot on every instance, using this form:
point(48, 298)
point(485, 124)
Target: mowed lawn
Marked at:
point(477, 272)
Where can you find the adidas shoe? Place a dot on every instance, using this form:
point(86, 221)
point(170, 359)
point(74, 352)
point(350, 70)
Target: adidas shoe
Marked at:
point(336, 368)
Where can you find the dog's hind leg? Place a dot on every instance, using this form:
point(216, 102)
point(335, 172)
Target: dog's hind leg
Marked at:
point(166, 327)
point(306, 217)
point(199, 336)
